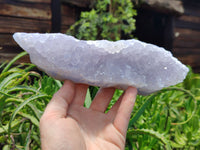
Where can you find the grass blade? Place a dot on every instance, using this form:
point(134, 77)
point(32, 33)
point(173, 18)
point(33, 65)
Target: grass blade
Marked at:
point(22, 88)
point(151, 133)
point(6, 94)
point(3, 64)
point(8, 79)
point(189, 94)
point(30, 117)
point(4, 129)
point(58, 83)
point(141, 110)
point(14, 60)
point(38, 113)
point(88, 99)
point(21, 106)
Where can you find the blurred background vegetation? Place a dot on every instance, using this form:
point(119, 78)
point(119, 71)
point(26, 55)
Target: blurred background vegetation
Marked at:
point(108, 19)
point(168, 119)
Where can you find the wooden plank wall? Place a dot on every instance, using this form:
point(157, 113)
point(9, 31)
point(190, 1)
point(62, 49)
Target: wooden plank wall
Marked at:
point(28, 16)
point(187, 36)
point(69, 13)
point(21, 16)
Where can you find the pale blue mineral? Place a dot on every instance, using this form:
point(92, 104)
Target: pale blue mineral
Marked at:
point(103, 63)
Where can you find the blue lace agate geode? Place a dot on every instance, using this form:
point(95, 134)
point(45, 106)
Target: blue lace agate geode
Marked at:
point(103, 63)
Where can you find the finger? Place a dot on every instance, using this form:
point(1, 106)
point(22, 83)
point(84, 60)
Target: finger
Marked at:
point(124, 111)
point(81, 90)
point(113, 111)
point(58, 105)
point(102, 99)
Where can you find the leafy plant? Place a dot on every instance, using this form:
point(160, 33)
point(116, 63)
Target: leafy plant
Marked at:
point(168, 119)
point(172, 115)
point(24, 94)
point(108, 19)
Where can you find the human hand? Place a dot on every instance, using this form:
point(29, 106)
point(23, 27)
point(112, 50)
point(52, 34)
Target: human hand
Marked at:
point(67, 125)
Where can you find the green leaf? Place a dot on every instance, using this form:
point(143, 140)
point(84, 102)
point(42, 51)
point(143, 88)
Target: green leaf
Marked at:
point(141, 110)
point(14, 60)
point(9, 79)
point(88, 99)
point(22, 88)
point(59, 84)
point(34, 120)
point(8, 95)
point(6, 147)
point(21, 106)
point(3, 64)
point(153, 134)
point(93, 91)
point(5, 128)
point(189, 94)
point(180, 138)
point(175, 145)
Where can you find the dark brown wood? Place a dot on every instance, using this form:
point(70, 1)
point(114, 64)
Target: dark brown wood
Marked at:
point(186, 32)
point(21, 16)
point(188, 18)
point(186, 51)
point(65, 28)
point(192, 8)
point(36, 1)
point(192, 60)
point(68, 11)
point(185, 24)
point(186, 38)
point(79, 3)
point(67, 20)
point(21, 11)
point(187, 35)
point(10, 49)
point(28, 16)
point(68, 17)
point(6, 39)
point(186, 44)
point(11, 25)
point(8, 52)
point(6, 57)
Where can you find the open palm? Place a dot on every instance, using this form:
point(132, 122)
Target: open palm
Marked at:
point(67, 125)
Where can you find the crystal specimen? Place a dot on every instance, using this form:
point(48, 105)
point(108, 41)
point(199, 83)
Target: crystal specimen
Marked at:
point(103, 63)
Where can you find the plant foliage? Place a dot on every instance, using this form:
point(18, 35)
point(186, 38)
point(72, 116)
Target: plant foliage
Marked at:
point(108, 19)
point(24, 94)
point(168, 119)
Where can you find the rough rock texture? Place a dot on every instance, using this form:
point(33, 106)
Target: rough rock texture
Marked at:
point(166, 6)
point(103, 63)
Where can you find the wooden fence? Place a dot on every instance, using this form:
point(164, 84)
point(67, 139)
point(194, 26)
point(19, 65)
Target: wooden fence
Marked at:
point(186, 43)
point(33, 16)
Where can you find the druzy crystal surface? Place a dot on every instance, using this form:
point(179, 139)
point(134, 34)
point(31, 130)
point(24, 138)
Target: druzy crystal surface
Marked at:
point(103, 63)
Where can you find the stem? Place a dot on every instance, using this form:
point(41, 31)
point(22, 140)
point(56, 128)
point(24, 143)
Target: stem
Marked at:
point(13, 142)
point(110, 6)
point(166, 122)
